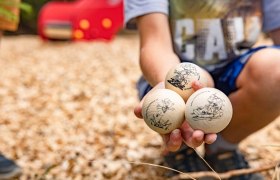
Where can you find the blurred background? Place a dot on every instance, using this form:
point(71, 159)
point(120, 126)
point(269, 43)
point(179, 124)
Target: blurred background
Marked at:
point(65, 19)
point(28, 17)
point(66, 109)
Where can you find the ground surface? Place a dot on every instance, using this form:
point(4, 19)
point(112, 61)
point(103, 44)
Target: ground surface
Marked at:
point(67, 112)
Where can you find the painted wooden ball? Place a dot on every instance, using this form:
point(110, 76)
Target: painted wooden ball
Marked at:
point(163, 110)
point(209, 110)
point(180, 78)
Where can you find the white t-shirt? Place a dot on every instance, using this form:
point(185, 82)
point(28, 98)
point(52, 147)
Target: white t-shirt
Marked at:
point(211, 33)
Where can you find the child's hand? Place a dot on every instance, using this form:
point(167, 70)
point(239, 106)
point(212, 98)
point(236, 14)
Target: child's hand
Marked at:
point(185, 134)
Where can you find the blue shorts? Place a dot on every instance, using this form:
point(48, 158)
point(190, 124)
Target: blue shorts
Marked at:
point(225, 79)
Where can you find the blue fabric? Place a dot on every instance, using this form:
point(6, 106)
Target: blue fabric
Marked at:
point(143, 87)
point(271, 11)
point(225, 80)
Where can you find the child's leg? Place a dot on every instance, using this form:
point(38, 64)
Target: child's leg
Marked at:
point(256, 102)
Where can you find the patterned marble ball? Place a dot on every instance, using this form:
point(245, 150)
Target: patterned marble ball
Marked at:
point(209, 110)
point(180, 78)
point(163, 110)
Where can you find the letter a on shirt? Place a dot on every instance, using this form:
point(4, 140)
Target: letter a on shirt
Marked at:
point(213, 32)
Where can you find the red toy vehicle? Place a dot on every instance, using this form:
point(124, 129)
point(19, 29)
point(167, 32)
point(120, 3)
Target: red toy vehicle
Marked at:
point(81, 20)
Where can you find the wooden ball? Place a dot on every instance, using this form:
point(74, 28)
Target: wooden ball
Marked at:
point(180, 78)
point(163, 110)
point(209, 110)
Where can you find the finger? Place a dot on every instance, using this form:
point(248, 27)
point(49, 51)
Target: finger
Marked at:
point(165, 138)
point(194, 139)
point(138, 110)
point(175, 141)
point(187, 133)
point(196, 85)
point(210, 138)
point(197, 138)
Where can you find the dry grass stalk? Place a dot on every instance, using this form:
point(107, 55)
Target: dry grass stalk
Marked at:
point(228, 174)
point(276, 175)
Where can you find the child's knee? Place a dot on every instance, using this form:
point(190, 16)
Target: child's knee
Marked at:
point(265, 65)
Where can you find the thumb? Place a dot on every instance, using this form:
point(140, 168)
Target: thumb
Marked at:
point(196, 85)
point(138, 109)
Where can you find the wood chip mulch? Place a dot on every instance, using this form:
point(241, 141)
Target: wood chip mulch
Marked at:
point(67, 112)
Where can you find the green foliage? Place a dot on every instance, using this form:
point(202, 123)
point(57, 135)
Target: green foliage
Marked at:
point(36, 6)
point(29, 15)
point(28, 21)
point(5, 5)
point(26, 8)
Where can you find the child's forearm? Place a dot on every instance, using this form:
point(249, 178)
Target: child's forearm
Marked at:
point(155, 63)
point(156, 51)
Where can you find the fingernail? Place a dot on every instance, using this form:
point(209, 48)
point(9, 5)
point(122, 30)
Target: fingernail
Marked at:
point(176, 133)
point(197, 84)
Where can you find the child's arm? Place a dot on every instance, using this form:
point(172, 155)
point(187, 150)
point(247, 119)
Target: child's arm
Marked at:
point(156, 52)
point(156, 59)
